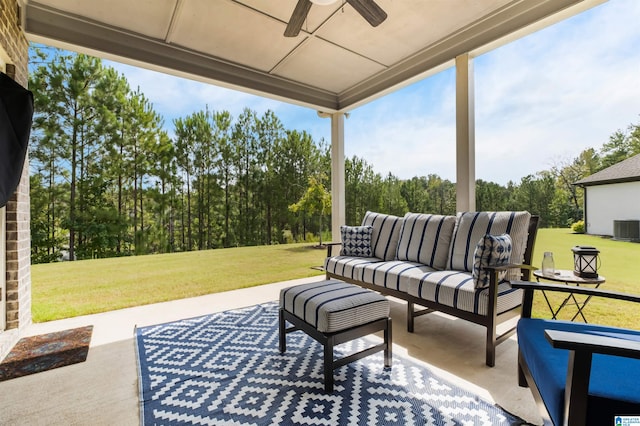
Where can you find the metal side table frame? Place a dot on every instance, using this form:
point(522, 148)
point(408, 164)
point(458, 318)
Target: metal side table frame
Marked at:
point(568, 277)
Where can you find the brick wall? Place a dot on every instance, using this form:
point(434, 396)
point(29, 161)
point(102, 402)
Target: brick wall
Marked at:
point(13, 40)
point(18, 239)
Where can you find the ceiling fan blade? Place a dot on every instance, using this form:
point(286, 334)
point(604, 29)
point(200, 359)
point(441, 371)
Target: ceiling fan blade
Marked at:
point(369, 11)
point(297, 18)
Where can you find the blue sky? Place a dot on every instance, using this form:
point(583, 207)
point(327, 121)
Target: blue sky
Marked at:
point(539, 102)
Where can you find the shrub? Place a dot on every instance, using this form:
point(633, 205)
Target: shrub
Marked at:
point(287, 236)
point(578, 227)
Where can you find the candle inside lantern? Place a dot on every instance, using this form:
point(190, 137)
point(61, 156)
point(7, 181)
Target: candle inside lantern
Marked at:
point(585, 261)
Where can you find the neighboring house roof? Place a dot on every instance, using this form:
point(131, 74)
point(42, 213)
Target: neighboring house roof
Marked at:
point(624, 171)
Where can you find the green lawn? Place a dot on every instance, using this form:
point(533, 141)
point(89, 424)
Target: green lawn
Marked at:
point(68, 289)
point(620, 266)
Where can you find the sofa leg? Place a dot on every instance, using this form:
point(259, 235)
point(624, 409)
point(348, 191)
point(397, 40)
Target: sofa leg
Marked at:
point(491, 356)
point(491, 346)
point(492, 335)
point(410, 317)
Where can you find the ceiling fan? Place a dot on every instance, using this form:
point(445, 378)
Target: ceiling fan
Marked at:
point(367, 8)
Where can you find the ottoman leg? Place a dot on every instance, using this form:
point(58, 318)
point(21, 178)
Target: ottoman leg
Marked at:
point(388, 341)
point(328, 365)
point(282, 332)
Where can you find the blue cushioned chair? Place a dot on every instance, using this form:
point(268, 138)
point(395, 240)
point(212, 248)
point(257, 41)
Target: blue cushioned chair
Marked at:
point(579, 374)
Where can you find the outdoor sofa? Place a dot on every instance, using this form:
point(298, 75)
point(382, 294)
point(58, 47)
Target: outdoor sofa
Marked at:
point(460, 265)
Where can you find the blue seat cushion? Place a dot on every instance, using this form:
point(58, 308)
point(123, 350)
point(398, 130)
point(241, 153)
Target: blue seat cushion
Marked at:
point(614, 388)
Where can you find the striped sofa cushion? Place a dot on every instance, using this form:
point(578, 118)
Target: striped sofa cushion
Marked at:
point(472, 226)
point(386, 231)
point(346, 266)
point(333, 305)
point(425, 238)
point(392, 274)
point(457, 289)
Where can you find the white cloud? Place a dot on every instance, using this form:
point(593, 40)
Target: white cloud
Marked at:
point(177, 97)
point(549, 96)
point(408, 133)
point(539, 101)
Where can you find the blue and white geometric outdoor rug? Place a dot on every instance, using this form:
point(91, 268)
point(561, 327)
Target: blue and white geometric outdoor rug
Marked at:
point(226, 369)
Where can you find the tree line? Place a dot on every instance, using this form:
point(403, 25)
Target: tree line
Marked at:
point(107, 180)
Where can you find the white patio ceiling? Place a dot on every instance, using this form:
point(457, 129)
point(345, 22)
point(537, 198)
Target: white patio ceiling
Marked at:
point(336, 63)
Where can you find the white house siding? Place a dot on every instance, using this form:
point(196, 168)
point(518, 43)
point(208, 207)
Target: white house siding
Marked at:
point(606, 203)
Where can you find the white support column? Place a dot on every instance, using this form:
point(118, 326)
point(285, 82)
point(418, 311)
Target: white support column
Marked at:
point(465, 135)
point(338, 210)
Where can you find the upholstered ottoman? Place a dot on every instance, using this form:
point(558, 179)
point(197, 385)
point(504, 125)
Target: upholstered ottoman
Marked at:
point(334, 312)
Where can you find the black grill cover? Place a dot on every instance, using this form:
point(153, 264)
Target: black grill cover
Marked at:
point(16, 115)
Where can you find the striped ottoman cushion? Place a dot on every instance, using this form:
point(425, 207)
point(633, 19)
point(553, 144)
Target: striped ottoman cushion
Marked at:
point(333, 305)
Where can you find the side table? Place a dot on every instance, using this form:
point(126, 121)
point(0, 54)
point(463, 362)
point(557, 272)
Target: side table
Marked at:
point(568, 277)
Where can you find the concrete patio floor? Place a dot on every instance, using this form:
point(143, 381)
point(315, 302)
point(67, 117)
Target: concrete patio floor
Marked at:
point(103, 390)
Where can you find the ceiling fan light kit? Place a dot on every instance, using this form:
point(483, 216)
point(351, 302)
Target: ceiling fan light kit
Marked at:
point(369, 10)
point(323, 2)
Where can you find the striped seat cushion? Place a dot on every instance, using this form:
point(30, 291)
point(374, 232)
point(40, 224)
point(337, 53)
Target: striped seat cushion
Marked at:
point(457, 290)
point(425, 238)
point(392, 274)
point(385, 234)
point(347, 266)
point(331, 306)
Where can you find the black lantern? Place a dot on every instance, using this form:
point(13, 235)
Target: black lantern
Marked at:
point(585, 261)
